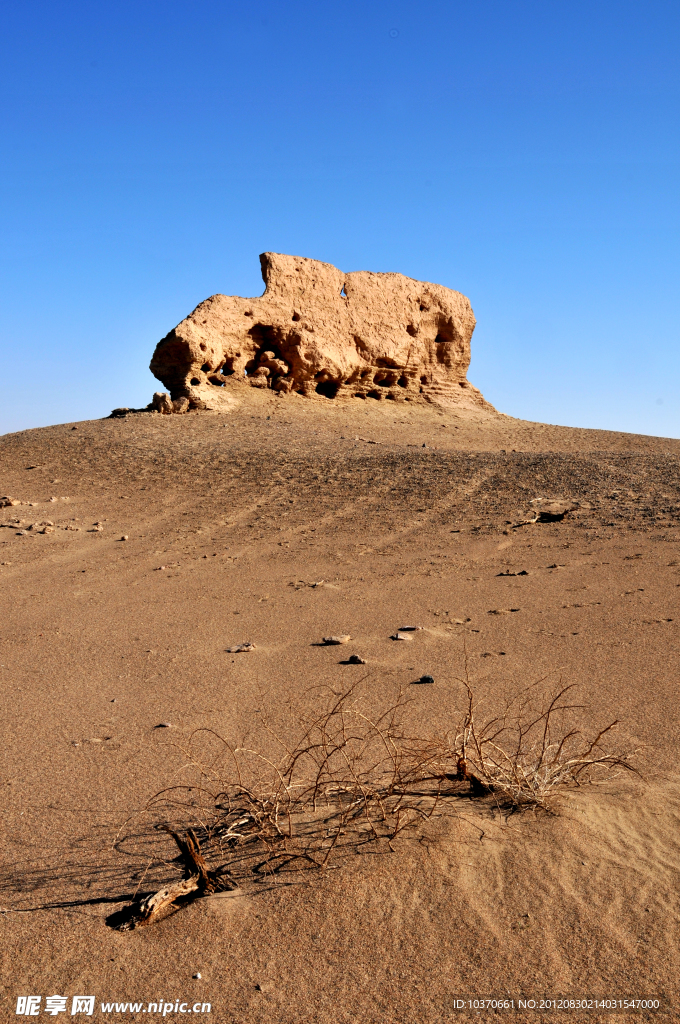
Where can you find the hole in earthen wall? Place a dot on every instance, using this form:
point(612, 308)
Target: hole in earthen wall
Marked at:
point(445, 341)
point(327, 388)
point(195, 382)
point(265, 338)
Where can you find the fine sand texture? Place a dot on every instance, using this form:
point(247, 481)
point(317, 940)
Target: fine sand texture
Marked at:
point(289, 520)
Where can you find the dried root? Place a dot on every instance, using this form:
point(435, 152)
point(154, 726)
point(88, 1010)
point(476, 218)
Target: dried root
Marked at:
point(198, 881)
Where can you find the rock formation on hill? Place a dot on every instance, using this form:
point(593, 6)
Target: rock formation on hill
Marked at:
point(319, 332)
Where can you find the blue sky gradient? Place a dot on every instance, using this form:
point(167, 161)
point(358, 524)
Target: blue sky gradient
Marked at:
point(526, 153)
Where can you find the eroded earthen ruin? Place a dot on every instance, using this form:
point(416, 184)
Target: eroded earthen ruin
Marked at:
point(318, 332)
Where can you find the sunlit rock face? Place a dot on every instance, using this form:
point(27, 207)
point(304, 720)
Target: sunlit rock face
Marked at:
point(321, 333)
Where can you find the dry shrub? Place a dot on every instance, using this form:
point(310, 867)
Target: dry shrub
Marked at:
point(354, 778)
point(349, 774)
point(528, 751)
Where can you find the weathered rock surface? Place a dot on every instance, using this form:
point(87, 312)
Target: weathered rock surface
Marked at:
point(319, 332)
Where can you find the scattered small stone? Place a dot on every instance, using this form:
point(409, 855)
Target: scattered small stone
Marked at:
point(502, 611)
point(343, 638)
point(45, 526)
point(425, 680)
point(410, 629)
point(241, 648)
point(354, 659)
point(507, 572)
point(400, 636)
point(125, 537)
point(163, 725)
point(461, 622)
point(7, 502)
point(197, 976)
point(548, 511)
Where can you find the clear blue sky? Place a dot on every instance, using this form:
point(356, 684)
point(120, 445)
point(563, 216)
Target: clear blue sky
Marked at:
point(525, 152)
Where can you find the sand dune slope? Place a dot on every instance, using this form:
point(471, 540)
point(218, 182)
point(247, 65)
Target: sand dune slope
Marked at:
point(287, 521)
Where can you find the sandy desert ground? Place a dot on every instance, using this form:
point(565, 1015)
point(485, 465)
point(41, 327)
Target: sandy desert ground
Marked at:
point(287, 521)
